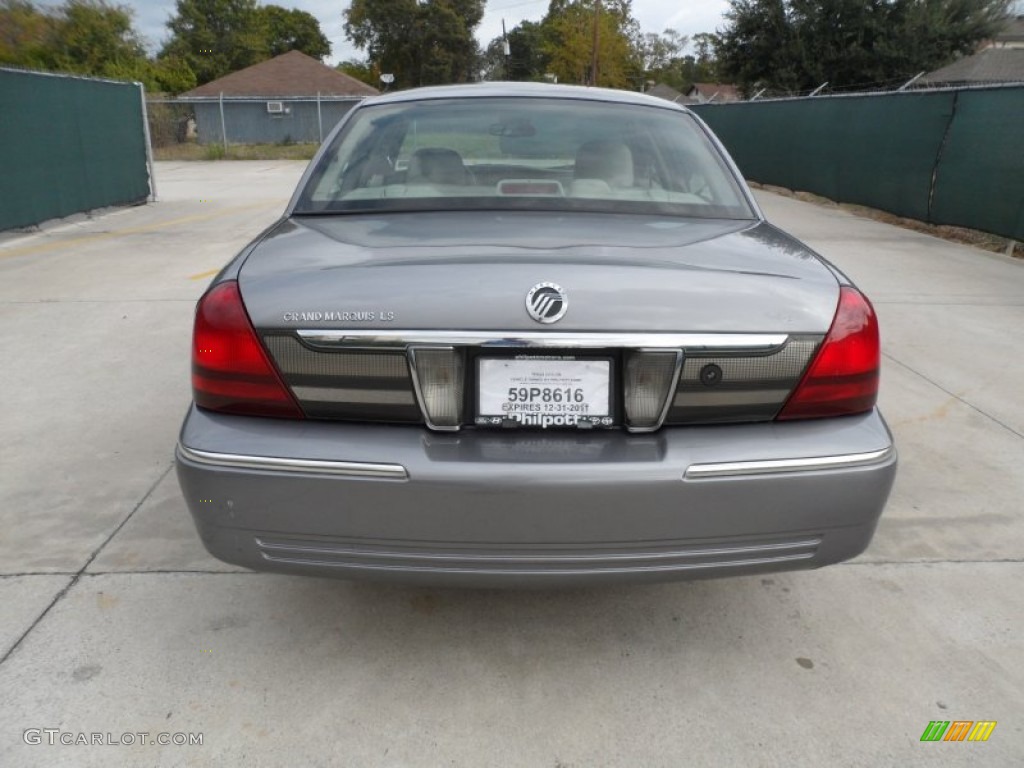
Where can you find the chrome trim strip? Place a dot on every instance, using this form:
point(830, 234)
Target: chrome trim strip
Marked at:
point(485, 570)
point(539, 557)
point(782, 466)
point(306, 466)
point(375, 339)
point(697, 399)
point(360, 396)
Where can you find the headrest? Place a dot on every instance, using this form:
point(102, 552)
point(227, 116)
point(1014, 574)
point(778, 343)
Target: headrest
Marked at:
point(611, 161)
point(436, 165)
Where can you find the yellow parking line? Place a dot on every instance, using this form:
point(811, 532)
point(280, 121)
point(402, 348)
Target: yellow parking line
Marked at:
point(100, 236)
point(201, 275)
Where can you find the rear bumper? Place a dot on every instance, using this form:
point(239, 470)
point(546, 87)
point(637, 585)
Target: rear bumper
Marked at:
point(533, 508)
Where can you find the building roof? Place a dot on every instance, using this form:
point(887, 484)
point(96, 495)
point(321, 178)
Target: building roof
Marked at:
point(1013, 32)
point(292, 74)
point(669, 93)
point(992, 65)
point(704, 91)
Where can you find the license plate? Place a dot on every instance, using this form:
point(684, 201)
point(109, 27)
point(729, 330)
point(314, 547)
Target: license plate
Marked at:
point(544, 392)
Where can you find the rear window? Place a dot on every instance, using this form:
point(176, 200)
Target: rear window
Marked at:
point(523, 153)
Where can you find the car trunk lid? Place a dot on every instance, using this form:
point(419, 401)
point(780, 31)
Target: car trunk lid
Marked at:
point(619, 273)
point(701, 320)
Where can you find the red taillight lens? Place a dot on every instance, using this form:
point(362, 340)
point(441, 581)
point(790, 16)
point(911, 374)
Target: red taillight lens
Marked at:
point(843, 377)
point(230, 371)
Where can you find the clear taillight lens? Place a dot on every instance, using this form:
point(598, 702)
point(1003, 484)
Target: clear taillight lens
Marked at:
point(649, 382)
point(438, 376)
point(843, 377)
point(231, 372)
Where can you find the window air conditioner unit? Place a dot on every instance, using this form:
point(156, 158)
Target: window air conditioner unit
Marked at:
point(275, 107)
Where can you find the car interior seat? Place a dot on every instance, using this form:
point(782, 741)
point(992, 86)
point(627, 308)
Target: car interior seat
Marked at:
point(437, 165)
point(602, 166)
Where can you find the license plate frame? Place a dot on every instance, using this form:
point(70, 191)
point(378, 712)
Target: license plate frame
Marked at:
point(566, 374)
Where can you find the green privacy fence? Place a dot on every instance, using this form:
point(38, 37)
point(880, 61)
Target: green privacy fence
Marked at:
point(68, 144)
point(979, 181)
point(945, 157)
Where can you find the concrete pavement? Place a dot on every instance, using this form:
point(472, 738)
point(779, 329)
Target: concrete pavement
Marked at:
point(114, 620)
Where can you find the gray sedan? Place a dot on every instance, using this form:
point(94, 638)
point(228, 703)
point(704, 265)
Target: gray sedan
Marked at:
point(515, 334)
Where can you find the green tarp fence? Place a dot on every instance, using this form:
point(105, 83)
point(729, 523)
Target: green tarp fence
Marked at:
point(68, 144)
point(945, 157)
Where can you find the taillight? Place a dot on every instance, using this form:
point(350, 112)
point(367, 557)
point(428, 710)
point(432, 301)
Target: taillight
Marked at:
point(843, 377)
point(230, 371)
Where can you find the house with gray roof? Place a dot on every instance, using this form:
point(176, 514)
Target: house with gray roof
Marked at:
point(1012, 34)
point(669, 93)
point(989, 66)
point(719, 93)
point(292, 98)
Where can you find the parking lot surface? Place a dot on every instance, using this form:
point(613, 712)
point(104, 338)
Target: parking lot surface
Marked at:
point(114, 620)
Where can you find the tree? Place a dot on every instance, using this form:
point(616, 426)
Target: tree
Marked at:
point(527, 59)
point(293, 30)
point(563, 45)
point(24, 34)
point(360, 70)
point(660, 52)
point(86, 37)
point(420, 43)
point(215, 37)
point(171, 74)
point(701, 66)
point(93, 38)
point(661, 57)
point(569, 42)
point(384, 29)
point(796, 45)
point(448, 50)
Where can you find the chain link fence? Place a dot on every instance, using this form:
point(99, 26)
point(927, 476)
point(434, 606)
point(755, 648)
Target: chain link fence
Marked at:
point(170, 122)
point(210, 128)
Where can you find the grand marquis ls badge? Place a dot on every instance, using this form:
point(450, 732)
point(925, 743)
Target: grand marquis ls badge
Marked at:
point(546, 303)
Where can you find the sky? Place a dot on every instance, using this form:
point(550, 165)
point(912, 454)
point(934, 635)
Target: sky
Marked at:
point(688, 18)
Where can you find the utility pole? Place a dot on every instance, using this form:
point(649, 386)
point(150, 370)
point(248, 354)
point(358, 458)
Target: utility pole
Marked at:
point(505, 49)
point(594, 63)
